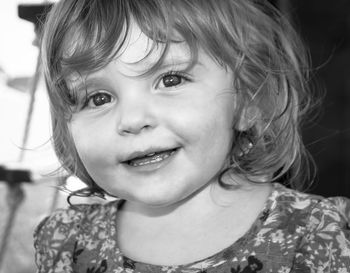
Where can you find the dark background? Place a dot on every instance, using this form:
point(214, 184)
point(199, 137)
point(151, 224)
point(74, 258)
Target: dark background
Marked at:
point(325, 28)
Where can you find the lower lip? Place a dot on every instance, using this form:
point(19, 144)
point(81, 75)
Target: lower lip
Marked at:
point(152, 166)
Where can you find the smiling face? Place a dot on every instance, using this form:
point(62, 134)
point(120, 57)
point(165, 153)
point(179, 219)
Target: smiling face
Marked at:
point(154, 139)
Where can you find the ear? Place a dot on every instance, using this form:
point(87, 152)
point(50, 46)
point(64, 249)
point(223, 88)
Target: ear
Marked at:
point(250, 116)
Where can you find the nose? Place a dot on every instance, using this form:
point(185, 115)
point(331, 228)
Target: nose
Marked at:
point(135, 116)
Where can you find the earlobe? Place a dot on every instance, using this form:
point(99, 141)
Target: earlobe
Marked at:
point(249, 117)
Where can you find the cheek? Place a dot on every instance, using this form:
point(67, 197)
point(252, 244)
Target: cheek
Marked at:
point(206, 125)
point(92, 145)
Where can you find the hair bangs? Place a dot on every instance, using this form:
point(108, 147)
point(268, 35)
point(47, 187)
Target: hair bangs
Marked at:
point(95, 37)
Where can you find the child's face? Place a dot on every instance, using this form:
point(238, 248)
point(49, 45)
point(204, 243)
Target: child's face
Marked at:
point(185, 117)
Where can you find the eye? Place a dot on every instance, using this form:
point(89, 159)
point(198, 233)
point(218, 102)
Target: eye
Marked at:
point(98, 99)
point(172, 79)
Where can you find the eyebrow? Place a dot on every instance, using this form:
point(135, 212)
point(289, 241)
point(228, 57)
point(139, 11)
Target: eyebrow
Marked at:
point(169, 62)
point(175, 61)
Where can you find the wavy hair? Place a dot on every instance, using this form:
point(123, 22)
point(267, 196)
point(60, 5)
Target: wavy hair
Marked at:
point(250, 37)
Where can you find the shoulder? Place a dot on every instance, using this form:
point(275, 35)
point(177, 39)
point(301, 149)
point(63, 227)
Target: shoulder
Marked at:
point(323, 225)
point(56, 236)
point(312, 207)
point(72, 219)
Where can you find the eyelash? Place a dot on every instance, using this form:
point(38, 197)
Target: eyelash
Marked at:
point(89, 97)
point(180, 74)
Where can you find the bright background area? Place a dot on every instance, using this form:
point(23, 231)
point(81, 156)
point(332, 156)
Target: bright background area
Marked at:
point(17, 55)
point(18, 59)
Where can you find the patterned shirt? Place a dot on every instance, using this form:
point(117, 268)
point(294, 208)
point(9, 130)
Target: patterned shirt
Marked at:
point(295, 232)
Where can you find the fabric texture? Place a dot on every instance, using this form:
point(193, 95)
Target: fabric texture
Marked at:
point(295, 232)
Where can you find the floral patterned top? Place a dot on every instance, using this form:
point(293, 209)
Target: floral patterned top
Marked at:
point(295, 232)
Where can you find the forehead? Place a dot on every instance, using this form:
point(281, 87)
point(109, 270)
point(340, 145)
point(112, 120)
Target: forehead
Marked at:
point(136, 47)
point(141, 52)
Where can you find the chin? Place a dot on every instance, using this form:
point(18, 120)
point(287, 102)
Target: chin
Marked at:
point(158, 199)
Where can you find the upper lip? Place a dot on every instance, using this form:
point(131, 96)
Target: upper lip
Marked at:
point(138, 154)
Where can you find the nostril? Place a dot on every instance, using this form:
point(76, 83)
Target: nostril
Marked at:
point(132, 130)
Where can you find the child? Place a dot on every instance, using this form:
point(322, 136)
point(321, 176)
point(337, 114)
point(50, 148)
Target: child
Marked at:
point(188, 112)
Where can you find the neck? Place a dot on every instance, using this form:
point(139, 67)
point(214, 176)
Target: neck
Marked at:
point(195, 228)
point(204, 205)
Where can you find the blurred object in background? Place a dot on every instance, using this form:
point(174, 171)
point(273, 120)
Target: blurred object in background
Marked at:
point(36, 14)
point(20, 83)
point(23, 205)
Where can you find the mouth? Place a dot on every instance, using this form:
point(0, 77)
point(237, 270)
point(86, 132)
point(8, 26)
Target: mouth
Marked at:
point(149, 157)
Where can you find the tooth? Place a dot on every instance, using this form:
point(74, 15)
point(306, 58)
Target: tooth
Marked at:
point(155, 159)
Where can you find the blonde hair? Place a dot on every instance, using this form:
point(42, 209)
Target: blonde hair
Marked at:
point(250, 37)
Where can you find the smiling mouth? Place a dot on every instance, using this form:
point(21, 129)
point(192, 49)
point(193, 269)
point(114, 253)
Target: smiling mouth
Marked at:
point(150, 158)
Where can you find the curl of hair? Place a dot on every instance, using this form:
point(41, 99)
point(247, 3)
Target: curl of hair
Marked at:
point(250, 37)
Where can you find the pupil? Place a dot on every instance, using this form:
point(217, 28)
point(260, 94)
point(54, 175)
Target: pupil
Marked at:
point(100, 99)
point(171, 80)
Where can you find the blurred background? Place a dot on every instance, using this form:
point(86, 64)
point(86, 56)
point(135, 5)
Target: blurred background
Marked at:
point(325, 28)
point(22, 94)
